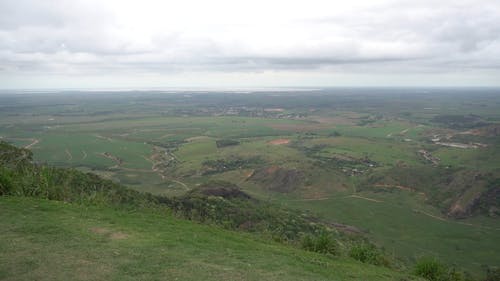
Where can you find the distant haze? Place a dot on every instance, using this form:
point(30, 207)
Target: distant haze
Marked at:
point(126, 44)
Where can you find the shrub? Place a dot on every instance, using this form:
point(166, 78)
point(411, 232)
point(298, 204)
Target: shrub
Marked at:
point(492, 274)
point(430, 269)
point(226, 142)
point(5, 182)
point(368, 253)
point(323, 243)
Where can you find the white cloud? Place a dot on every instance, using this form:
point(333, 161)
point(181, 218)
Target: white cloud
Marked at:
point(233, 42)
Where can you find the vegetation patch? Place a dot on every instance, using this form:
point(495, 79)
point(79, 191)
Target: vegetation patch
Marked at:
point(278, 179)
point(459, 193)
point(114, 235)
point(233, 163)
point(460, 121)
point(214, 202)
point(226, 142)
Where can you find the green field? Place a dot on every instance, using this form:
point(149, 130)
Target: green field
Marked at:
point(349, 157)
point(44, 240)
point(407, 228)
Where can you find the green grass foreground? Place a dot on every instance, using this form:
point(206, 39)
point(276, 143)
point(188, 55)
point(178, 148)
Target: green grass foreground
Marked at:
point(51, 240)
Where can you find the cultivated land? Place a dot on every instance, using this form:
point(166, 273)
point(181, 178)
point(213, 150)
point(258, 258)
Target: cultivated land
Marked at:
point(417, 172)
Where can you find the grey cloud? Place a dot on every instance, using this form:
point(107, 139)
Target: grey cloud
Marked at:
point(71, 36)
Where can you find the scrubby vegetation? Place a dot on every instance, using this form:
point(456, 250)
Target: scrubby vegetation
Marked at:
point(233, 163)
point(460, 121)
point(214, 202)
point(447, 188)
point(434, 270)
point(415, 175)
point(323, 243)
point(226, 142)
point(367, 253)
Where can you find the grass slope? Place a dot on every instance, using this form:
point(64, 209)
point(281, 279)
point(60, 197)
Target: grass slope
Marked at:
point(405, 227)
point(50, 240)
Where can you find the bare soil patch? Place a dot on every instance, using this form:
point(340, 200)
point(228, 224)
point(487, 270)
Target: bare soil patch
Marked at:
point(279, 141)
point(198, 138)
point(299, 127)
point(118, 235)
point(274, 110)
point(114, 235)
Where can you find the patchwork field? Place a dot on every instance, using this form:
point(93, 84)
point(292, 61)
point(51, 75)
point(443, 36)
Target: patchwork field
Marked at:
point(375, 161)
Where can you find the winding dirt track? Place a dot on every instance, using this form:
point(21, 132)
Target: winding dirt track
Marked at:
point(430, 215)
point(311, 199)
point(34, 142)
point(181, 183)
point(365, 198)
point(70, 156)
point(452, 221)
point(442, 219)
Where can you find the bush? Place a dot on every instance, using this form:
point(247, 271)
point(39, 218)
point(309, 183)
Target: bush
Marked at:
point(323, 243)
point(492, 274)
point(368, 253)
point(226, 142)
point(5, 182)
point(433, 270)
point(430, 269)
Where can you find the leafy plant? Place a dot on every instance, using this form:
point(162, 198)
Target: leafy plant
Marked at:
point(323, 243)
point(368, 253)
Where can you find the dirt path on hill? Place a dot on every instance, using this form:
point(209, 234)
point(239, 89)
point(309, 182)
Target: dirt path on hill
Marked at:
point(147, 159)
point(401, 187)
point(327, 198)
point(70, 156)
point(429, 215)
point(33, 143)
point(365, 198)
point(452, 221)
point(181, 183)
point(311, 199)
point(115, 159)
point(442, 219)
point(156, 159)
point(28, 146)
point(402, 132)
point(136, 170)
point(104, 138)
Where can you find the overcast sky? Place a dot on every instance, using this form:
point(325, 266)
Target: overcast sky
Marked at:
point(252, 43)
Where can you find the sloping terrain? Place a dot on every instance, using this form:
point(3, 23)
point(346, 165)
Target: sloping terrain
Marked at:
point(417, 176)
point(50, 240)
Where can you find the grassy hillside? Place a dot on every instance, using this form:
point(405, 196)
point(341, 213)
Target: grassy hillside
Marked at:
point(50, 240)
point(399, 223)
point(93, 222)
point(418, 176)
